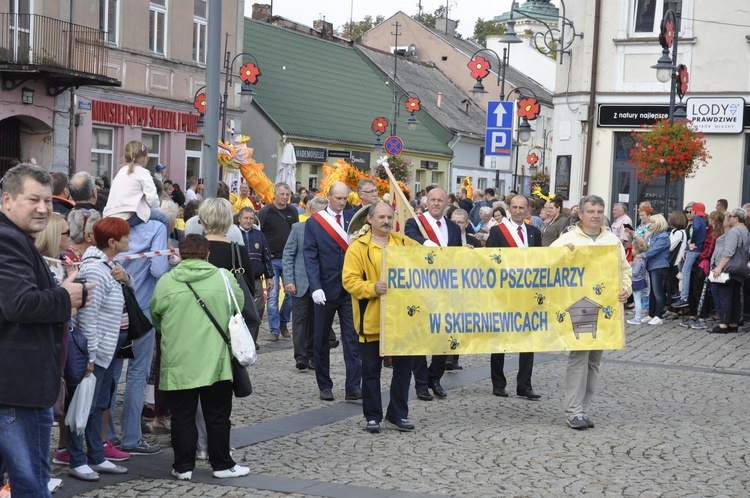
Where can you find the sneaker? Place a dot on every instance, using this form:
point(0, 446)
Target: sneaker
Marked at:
point(182, 476)
point(687, 323)
point(700, 324)
point(401, 424)
point(201, 455)
point(113, 454)
point(578, 423)
point(53, 484)
point(272, 337)
point(646, 319)
point(62, 457)
point(372, 426)
point(236, 471)
point(656, 321)
point(142, 448)
point(284, 332)
point(634, 321)
point(589, 421)
point(680, 304)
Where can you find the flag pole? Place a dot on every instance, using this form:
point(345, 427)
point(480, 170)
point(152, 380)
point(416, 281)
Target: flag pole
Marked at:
point(403, 199)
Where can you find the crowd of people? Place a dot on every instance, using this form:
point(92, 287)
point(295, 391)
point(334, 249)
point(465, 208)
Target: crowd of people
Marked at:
point(62, 275)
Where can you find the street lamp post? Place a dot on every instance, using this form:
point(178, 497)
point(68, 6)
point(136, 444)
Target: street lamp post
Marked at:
point(666, 69)
point(528, 110)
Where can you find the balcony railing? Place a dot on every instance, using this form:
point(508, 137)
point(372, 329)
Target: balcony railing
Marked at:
point(34, 40)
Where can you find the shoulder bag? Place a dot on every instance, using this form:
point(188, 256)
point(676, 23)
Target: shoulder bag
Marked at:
point(241, 384)
point(77, 359)
point(249, 313)
point(138, 323)
point(243, 345)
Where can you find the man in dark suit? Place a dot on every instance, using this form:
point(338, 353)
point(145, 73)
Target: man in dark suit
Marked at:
point(514, 232)
point(440, 232)
point(325, 245)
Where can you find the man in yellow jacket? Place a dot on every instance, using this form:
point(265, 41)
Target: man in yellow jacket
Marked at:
point(582, 372)
point(361, 278)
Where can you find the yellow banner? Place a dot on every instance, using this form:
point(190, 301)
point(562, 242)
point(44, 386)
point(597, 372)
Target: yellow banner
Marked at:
point(456, 300)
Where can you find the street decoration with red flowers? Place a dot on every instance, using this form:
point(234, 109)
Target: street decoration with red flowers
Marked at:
point(200, 103)
point(413, 104)
point(249, 73)
point(677, 149)
point(480, 67)
point(532, 158)
point(380, 125)
point(528, 108)
point(539, 184)
point(683, 78)
point(399, 165)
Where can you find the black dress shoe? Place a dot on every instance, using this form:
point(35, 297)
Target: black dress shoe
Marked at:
point(456, 366)
point(424, 395)
point(353, 395)
point(500, 391)
point(326, 395)
point(301, 364)
point(438, 389)
point(449, 365)
point(530, 394)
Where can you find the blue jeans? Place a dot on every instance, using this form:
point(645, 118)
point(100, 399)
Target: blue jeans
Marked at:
point(25, 435)
point(276, 317)
point(657, 298)
point(135, 386)
point(687, 268)
point(638, 301)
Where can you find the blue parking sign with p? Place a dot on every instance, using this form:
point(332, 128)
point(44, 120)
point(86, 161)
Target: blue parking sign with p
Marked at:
point(499, 135)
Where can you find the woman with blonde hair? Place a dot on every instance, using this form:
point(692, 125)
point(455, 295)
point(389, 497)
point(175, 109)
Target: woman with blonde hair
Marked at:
point(133, 195)
point(52, 241)
point(657, 264)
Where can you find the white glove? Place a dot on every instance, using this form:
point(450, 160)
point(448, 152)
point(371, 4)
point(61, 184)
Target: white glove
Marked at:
point(319, 297)
point(429, 243)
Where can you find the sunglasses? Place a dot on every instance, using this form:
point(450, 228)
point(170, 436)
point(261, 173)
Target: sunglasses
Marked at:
point(67, 234)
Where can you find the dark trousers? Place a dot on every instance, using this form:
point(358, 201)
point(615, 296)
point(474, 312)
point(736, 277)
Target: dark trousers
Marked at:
point(303, 326)
point(657, 296)
point(260, 307)
point(322, 347)
point(372, 401)
point(729, 295)
point(216, 402)
point(525, 368)
point(424, 376)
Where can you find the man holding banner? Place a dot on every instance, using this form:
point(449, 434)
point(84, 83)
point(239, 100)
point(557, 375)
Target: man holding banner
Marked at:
point(582, 372)
point(440, 232)
point(326, 243)
point(362, 278)
point(514, 232)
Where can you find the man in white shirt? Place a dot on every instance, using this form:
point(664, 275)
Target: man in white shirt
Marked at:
point(190, 193)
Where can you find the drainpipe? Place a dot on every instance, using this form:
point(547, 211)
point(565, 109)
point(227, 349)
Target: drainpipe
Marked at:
point(592, 96)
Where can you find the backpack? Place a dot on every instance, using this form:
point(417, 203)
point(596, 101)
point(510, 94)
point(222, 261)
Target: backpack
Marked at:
point(678, 239)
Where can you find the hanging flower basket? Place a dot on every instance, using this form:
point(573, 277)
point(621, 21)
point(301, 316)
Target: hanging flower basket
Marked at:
point(540, 180)
point(677, 149)
point(400, 167)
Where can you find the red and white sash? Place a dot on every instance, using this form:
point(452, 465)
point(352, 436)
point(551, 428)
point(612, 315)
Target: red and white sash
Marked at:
point(333, 229)
point(435, 236)
point(511, 236)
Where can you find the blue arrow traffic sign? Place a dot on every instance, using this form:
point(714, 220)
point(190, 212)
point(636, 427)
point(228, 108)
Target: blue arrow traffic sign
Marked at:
point(499, 136)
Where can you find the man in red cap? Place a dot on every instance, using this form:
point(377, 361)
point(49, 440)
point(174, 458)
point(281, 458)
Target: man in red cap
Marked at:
point(696, 232)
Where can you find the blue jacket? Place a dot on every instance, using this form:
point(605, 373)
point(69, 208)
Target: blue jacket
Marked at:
point(697, 234)
point(257, 248)
point(324, 259)
point(657, 255)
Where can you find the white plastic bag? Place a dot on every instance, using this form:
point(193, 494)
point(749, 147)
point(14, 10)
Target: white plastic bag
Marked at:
point(80, 405)
point(243, 345)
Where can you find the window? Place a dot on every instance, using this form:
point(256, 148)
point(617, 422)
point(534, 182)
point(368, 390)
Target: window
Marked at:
point(152, 142)
point(193, 148)
point(20, 30)
point(436, 175)
point(101, 152)
point(645, 17)
point(481, 156)
point(108, 19)
point(481, 183)
point(199, 32)
point(157, 26)
point(313, 178)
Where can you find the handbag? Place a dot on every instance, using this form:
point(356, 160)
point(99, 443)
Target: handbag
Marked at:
point(249, 313)
point(241, 384)
point(138, 323)
point(77, 359)
point(243, 345)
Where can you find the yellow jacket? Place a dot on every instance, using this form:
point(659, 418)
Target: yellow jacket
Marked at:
point(239, 202)
point(361, 270)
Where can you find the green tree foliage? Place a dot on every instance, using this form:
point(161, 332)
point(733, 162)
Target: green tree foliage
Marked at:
point(358, 28)
point(483, 29)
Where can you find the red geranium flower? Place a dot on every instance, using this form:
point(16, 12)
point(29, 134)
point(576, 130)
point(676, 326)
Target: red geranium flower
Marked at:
point(413, 104)
point(200, 103)
point(249, 73)
point(528, 108)
point(380, 125)
point(532, 158)
point(683, 80)
point(480, 67)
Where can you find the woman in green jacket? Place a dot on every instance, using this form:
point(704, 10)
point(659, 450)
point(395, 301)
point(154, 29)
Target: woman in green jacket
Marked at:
point(195, 361)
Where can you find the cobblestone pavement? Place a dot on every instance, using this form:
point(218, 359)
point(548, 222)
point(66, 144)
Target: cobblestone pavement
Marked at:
point(671, 414)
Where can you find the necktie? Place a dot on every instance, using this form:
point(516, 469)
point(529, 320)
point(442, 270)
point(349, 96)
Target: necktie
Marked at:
point(338, 220)
point(520, 234)
point(438, 223)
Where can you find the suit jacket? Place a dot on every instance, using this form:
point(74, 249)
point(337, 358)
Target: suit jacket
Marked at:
point(497, 239)
point(324, 259)
point(293, 259)
point(411, 230)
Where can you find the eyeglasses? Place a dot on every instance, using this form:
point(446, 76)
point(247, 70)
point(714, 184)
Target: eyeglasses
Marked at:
point(687, 212)
point(370, 191)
